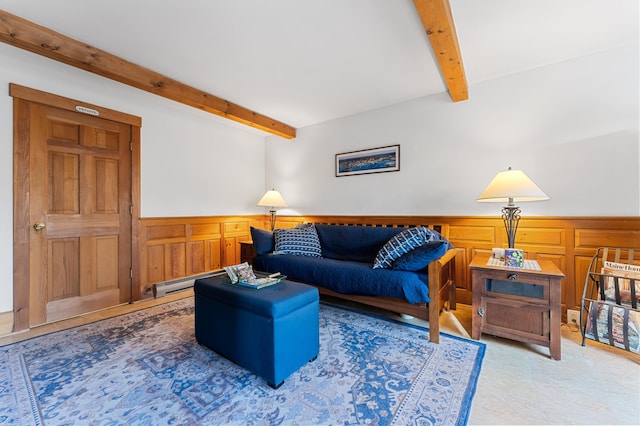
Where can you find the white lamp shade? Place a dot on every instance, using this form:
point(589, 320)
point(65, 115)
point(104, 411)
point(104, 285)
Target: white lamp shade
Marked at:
point(272, 198)
point(511, 186)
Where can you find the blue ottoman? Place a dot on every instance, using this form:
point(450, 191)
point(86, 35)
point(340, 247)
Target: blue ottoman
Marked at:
point(272, 331)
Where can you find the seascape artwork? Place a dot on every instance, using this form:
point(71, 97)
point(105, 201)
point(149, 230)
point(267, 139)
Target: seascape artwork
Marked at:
point(384, 159)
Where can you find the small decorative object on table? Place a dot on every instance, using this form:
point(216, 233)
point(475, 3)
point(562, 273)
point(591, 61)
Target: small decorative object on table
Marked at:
point(497, 253)
point(244, 276)
point(513, 258)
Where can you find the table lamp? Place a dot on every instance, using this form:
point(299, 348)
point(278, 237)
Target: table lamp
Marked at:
point(272, 199)
point(511, 186)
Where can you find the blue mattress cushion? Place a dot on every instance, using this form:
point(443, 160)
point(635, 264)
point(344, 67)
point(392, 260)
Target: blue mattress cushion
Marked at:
point(348, 277)
point(355, 243)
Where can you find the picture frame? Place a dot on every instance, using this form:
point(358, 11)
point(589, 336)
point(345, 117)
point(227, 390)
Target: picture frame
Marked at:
point(373, 160)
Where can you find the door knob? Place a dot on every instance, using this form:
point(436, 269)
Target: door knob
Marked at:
point(39, 226)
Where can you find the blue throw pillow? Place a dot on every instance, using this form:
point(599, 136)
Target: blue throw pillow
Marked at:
point(418, 258)
point(263, 241)
point(402, 243)
point(297, 241)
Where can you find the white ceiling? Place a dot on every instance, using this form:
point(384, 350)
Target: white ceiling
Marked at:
point(305, 62)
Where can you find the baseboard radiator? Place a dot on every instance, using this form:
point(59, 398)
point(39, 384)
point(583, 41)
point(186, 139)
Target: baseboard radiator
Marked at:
point(170, 287)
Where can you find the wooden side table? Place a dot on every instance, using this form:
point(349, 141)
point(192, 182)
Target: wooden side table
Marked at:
point(247, 252)
point(518, 304)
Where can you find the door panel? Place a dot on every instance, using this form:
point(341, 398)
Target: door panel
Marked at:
point(64, 186)
point(105, 185)
point(80, 174)
point(104, 258)
point(63, 270)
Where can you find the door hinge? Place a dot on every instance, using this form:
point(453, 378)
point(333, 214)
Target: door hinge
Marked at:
point(131, 209)
point(131, 273)
point(131, 146)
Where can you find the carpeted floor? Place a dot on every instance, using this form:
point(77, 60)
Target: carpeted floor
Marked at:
point(146, 368)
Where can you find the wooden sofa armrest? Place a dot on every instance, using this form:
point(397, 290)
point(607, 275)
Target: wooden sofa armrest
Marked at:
point(442, 289)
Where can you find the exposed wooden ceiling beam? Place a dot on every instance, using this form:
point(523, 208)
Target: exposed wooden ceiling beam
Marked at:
point(42, 41)
point(438, 22)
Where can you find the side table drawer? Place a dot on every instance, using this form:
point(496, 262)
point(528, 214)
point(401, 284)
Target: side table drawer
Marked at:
point(516, 285)
point(515, 320)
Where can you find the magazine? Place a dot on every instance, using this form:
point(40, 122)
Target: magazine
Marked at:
point(623, 269)
point(624, 274)
point(611, 318)
point(244, 276)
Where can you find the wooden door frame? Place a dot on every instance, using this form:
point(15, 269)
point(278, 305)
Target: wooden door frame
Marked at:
point(22, 96)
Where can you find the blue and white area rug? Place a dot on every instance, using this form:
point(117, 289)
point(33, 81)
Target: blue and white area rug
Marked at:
point(146, 368)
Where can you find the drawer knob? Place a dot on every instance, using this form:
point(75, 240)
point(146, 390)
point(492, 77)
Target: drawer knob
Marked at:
point(480, 312)
point(513, 277)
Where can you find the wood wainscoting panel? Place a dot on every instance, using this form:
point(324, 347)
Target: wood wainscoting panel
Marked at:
point(482, 235)
point(154, 258)
point(205, 230)
point(234, 232)
point(176, 263)
point(544, 238)
point(557, 259)
point(198, 257)
point(236, 228)
point(569, 242)
point(179, 247)
point(286, 223)
point(204, 248)
point(471, 238)
point(165, 232)
point(163, 255)
point(214, 254)
point(594, 238)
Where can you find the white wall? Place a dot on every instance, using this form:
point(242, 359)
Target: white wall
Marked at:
point(192, 163)
point(571, 126)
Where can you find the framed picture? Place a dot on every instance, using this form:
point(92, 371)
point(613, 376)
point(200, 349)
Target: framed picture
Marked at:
point(374, 160)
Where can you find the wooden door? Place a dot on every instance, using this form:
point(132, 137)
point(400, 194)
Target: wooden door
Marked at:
point(78, 174)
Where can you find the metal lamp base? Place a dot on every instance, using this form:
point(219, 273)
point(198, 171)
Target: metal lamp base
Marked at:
point(273, 219)
point(511, 217)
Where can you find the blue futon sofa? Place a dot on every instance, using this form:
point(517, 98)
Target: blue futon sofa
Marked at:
point(403, 270)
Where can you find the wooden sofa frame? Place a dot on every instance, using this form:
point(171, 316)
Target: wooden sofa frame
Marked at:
point(442, 292)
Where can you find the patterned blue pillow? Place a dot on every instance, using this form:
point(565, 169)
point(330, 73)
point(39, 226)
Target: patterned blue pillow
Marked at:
point(298, 242)
point(402, 243)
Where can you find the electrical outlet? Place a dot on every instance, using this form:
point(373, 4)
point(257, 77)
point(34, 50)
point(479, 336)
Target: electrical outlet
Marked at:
point(573, 317)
